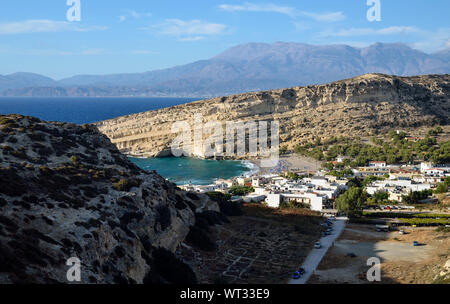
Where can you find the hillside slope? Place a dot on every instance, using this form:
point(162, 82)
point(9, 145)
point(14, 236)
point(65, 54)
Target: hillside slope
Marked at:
point(66, 191)
point(366, 105)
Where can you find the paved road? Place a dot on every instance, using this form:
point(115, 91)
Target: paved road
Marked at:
point(316, 255)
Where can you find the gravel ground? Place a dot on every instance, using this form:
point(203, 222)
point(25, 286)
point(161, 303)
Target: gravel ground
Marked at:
point(402, 263)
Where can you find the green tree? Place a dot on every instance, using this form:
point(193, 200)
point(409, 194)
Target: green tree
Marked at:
point(241, 190)
point(415, 197)
point(370, 179)
point(352, 201)
point(381, 196)
point(328, 166)
point(441, 188)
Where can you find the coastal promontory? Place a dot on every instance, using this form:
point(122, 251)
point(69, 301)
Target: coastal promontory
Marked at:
point(367, 105)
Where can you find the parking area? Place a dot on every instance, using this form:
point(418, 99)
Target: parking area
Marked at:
point(402, 262)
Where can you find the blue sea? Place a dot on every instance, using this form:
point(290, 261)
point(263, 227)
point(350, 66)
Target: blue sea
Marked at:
point(89, 110)
point(84, 110)
point(179, 170)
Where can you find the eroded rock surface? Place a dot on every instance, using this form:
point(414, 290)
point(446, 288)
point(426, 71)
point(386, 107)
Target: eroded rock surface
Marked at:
point(66, 191)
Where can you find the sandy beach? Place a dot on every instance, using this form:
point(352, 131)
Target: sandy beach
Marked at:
point(290, 162)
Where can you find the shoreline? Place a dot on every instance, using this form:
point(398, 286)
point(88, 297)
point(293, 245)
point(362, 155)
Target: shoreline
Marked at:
point(196, 171)
point(253, 167)
point(289, 162)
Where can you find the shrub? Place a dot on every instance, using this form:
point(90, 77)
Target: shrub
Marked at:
point(241, 190)
point(73, 159)
point(126, 185)
point(442, 188)
point(425, 222)
point(443, 229)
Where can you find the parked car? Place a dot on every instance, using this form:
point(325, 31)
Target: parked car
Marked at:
point(317, 245)
point(296, 275)
point(382, 228)
point(416, 243)
point(402, 232)
point(302, 271)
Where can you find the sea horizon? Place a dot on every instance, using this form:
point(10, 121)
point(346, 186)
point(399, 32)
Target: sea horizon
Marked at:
point(85, 110)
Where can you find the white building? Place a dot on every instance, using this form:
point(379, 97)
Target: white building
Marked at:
point(435, 172)
point(205, 189)
point(242, 181)
point(425, 166)
point(274, 200)
point(396, 188)
point(314, 200)
point(428, 168)
point(320, 181)
point(254, 198)
point(340, 159)
point(225, 183)
point(378, 164)
point(260, 191)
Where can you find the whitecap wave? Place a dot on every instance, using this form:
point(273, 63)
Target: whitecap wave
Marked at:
point(253, 168)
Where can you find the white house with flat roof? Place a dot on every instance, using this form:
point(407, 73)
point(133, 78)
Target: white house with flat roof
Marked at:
point(314, 200)
point(274, 200)
point(260, 191)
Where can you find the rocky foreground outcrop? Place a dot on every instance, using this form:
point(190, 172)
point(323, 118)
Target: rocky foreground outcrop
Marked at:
point(366, 105)
point(66, 191)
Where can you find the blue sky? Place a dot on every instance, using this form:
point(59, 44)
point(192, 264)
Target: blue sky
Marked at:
point(141, 35)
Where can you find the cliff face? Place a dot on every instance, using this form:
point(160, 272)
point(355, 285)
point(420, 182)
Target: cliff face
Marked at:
point(365, 105)
point(66, 191)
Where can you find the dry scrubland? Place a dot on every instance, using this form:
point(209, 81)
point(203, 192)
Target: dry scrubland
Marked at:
point(261, 246)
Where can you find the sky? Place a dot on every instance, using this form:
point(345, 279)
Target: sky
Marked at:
point(141, 35)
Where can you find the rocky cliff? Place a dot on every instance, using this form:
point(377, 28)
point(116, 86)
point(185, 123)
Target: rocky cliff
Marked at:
point(66, 191)
point(367, 105)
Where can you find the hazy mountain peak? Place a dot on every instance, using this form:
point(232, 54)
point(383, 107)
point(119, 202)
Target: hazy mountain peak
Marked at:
point(244, 68)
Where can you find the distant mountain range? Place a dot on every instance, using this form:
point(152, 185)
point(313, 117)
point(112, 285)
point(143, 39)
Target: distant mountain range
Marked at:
point(244, 68)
